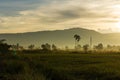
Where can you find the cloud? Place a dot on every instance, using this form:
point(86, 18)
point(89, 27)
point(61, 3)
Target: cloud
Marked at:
point(29, 15)
point(12, 7)
point(54, 14)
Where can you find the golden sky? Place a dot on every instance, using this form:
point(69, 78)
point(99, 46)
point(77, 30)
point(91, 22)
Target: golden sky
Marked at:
point(37, 15)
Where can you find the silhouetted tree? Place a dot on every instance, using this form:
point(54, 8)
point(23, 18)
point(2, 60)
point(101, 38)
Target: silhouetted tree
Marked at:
point(46, 46)
point(17, 46)
point(4, 47)
point(99, 46)
point(86, 47)
point(43, 46)
point(78, 47)
point(109, 46)
point(66, 48)
point(54, 47)
point(77, 39)
point(31, 47)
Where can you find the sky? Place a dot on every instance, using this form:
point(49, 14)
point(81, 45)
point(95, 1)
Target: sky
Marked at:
point(18, 16)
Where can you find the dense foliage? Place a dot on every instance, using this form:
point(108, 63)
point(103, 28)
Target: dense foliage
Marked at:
point(4, 47)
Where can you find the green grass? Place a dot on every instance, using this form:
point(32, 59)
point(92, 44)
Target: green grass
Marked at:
point(60, 66)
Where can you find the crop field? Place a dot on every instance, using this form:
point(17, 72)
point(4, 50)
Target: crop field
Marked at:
point(60, 66)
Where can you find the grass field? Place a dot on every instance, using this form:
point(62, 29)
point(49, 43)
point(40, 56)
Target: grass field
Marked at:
point(60, 66)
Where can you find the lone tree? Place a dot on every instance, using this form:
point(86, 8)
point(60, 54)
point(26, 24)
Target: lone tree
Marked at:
point(54, 47)
point(77, 39)
point(78, 47)
point(31, 47)
point(99, 46)
point(4, 47)
point(46, 46)
point(85, 47)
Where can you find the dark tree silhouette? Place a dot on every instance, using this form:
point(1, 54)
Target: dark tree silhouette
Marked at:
point(43, 47)
point(17, 46)
point(99, 46)
point(78, 47)
point(4, 47)
point(109, 46)
point(66, 48)
point(54, 47)
point(77, 39)
point(46, 46)
point(85, 47)
point(31, 47)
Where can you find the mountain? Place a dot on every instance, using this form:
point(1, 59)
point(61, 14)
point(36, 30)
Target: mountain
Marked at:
point(61, 38)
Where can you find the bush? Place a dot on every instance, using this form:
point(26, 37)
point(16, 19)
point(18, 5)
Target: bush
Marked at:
point(4, 48)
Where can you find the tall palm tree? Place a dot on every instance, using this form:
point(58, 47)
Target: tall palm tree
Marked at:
point(77, 39)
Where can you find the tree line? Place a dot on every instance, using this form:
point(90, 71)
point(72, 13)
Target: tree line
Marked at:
point(6, 48)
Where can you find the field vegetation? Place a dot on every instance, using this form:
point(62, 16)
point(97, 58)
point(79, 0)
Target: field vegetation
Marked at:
point(60, 65)
point(51, 63)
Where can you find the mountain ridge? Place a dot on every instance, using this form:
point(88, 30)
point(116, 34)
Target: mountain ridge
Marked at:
point(61, 38)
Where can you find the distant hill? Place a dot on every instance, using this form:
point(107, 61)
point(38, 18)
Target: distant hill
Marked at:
point(61, 38)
